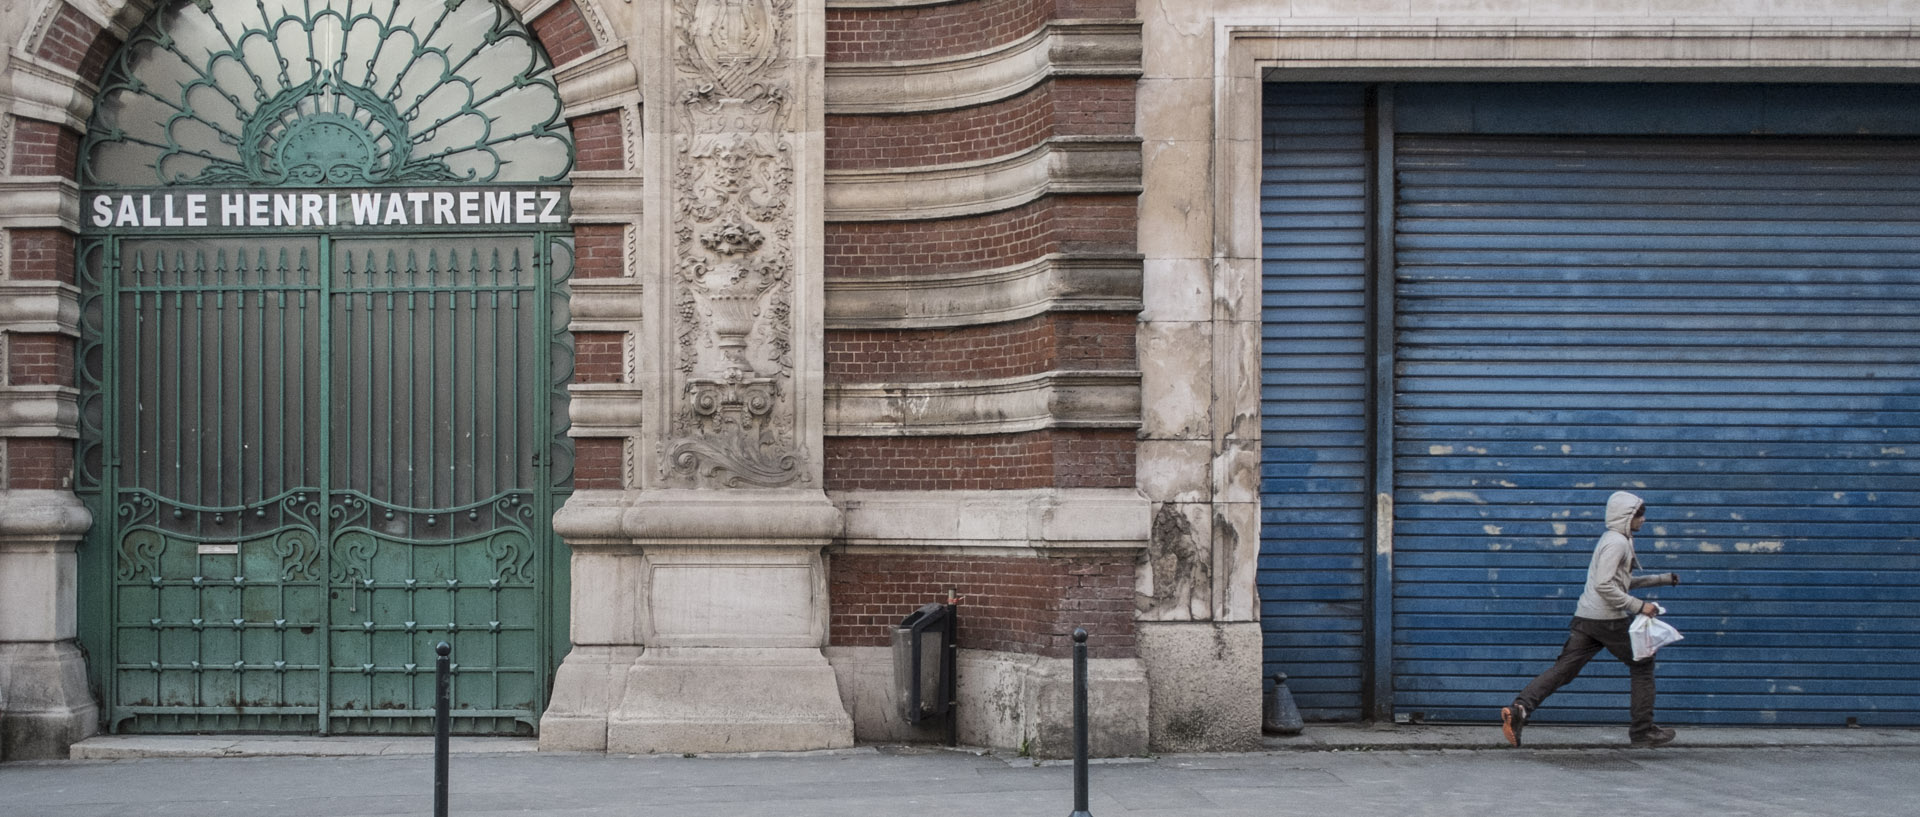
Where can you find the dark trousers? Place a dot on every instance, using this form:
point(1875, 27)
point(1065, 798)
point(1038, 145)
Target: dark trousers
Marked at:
point(1588, 637)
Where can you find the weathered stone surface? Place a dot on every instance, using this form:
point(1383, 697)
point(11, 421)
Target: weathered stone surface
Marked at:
point(44, 703)
point(729, 700)
point(1176, 581)
point(1204, 685)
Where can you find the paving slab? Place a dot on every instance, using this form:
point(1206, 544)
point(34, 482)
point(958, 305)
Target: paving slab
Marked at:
point(124, 747)
point(1365, 737)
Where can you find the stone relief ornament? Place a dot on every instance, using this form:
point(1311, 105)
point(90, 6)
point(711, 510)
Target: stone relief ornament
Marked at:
point(734, 425)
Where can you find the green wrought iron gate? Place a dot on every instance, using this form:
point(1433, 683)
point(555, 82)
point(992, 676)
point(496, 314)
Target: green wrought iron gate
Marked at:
point(323, 368)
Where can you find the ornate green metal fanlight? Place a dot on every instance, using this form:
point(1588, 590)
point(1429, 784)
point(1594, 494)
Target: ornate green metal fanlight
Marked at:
point(288, 93)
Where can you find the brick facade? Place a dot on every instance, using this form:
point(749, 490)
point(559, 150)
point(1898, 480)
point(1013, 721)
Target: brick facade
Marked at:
point(949, 29)
point(1010, 604)
point(1063, 341)
point(75, 42)
point(563, 31)
point(597, 463)
point(39, 360)
point(599, 142)
point(597, 252)
point(1060, 107)
point(44, 149)
point(1060, 458)
point(1101, 223)
point(39, 464)
point(41, 255)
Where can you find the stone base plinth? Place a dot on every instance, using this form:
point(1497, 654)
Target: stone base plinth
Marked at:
point(590, 682)
point(1204, 679)
point(44, 704)
point(1006, 701)
point(729, 699)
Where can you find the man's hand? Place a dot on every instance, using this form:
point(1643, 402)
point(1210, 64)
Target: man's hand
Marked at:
point(1676, 578)
point(1650, 609)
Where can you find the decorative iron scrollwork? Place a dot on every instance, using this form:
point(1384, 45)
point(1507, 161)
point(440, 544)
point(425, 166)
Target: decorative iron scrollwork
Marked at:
point(333, 95)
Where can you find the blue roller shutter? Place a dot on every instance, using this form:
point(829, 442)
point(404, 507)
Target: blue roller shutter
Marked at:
point(1729, 327)
point(1314, 395)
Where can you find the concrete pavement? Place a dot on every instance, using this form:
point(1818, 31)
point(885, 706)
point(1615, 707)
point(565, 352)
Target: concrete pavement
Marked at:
point(1329, 771)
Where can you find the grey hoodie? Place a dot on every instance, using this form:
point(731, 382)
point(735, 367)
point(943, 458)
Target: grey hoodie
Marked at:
point(1610, 574)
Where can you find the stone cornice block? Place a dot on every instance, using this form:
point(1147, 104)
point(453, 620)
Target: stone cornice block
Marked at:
point(40, 411)
point(45, 307)
point(39, 521)
point(1086, 48)
point(735, 518)
point(1076, 399)
point(605, 304)
point(598, 81)
point(605, 196)
point(1044, 519)
point(604, 410)
point(39, 201)
point(1063, 164)
point(1050, 283)
point(48, 92)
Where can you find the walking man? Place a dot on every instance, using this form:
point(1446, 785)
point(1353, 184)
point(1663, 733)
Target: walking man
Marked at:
point(1600, 622)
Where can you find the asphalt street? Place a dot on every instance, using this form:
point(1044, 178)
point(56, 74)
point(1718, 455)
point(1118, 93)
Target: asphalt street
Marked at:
point(1606, 782)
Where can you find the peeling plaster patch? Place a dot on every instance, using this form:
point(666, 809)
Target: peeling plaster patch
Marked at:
point(1567, 514)
point(1583, 485)
point(1893, 450)
point(1492, 530)
point(1760, 547)
point(1559, 528)
point(1506, 484)
point(1737, 517)
point(1709, 547)
point(1560, 541)
point(1638, 484)
point(1839, 494)
point(1474, 449)
point(1566, 449)
point(1660, 530)
point(1439, 450)
point(1452, 496)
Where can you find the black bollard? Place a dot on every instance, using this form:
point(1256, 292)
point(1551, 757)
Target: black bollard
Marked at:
point(1080, 723)
point(442, 725)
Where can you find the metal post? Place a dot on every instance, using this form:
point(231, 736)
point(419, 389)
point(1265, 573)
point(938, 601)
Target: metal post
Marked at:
point(1080, 723)
point(442, 725)
point(952, 680)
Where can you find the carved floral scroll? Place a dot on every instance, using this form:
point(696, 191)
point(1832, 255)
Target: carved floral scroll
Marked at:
point(733, 424)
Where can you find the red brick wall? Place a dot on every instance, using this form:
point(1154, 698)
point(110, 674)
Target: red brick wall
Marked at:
point(597, 251)
point(1075, 341)
point(1065, 458)
point(41, 255)
point(38, 463)
point(598, 357)
point(597, 463)
point(563, 31)
point(1010, 604)
point(598, 143)
point(40, 360)
point(76, 43)
point(1052, 224)
point(925, 32)
point(1077, 107)
point(44, 149)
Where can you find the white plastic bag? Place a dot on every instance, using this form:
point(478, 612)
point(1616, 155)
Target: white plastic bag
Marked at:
point(1649, 634)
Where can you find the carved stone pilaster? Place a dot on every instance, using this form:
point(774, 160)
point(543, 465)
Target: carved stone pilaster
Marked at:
point(700, 591)
point(734, 424)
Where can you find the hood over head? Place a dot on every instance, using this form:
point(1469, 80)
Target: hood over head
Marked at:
point(1621, 508)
